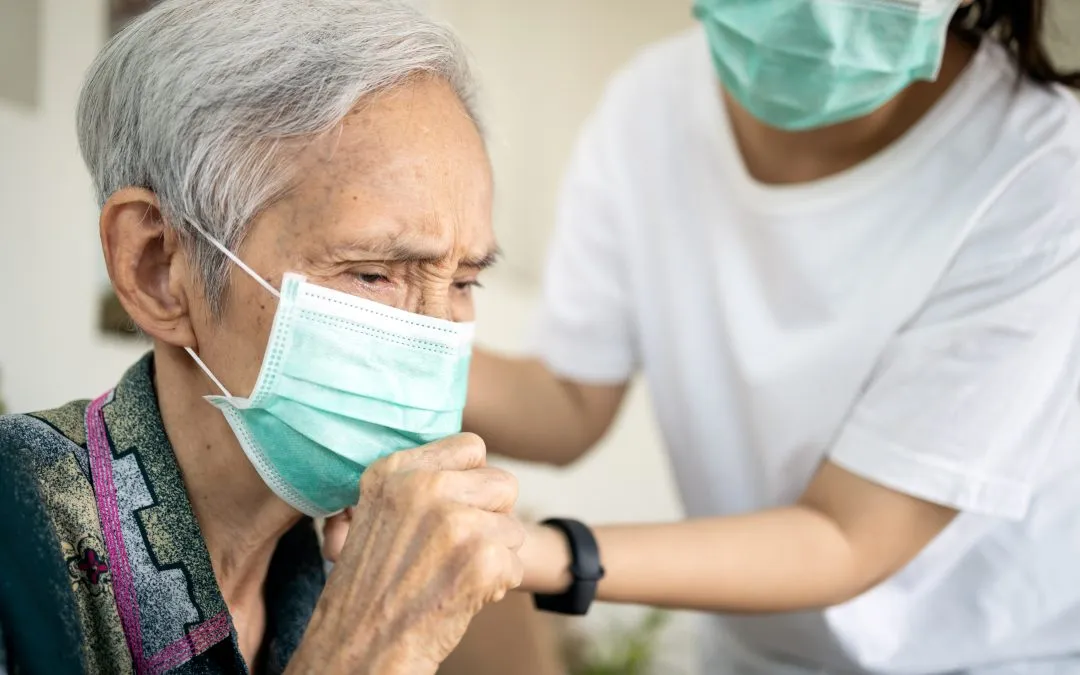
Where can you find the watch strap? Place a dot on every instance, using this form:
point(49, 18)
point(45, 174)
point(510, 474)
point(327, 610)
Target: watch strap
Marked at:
point(585, 570)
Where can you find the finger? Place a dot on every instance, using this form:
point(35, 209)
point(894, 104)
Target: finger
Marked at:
point(335, 532)
point(511, 574)
point(502, 529)
point(517, 570)
point(487, 488)
point(512, 577)
point(459, 452)
point(497, 569)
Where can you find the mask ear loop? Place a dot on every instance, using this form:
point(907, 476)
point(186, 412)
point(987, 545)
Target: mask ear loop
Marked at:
point(237, 261)
point(251, 273)
point(199, 362)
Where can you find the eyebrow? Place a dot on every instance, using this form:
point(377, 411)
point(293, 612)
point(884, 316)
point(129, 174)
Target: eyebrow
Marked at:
point(400, 252)
point(485, 261)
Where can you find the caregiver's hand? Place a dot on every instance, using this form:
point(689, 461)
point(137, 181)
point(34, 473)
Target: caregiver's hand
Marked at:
point(430, 543)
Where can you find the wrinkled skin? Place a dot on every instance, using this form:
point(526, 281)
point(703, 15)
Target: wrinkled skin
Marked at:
point(429, 545)
point(394, 206)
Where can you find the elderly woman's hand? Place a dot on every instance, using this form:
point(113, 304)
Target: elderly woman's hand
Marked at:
point(334, 533)
point(430, 543)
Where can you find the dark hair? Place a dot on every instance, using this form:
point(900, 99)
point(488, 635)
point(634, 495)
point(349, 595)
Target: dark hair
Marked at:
point(1019, 25)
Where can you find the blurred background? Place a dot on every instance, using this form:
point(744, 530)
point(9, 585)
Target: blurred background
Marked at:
point(541, 66)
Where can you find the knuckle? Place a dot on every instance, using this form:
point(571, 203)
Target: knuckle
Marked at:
point(509, 482)
point(406, 490)
point(468, 439)
point(473, 442)
point(382, 468)
point(378, 467)
point(489, 563)
point(471, 445)
point(457, 525)
point(414, 483)
point(517, 572)
point(393, 463)
point(370, 481)
point(497, 488)
point(517, 530)
point(437, 484)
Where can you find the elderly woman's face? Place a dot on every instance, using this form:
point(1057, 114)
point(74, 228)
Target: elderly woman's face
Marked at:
point(396, 208)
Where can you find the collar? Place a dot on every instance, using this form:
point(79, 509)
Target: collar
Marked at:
point(167, 596)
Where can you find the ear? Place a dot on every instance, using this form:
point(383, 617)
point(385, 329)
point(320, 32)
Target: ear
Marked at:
point(148, 269)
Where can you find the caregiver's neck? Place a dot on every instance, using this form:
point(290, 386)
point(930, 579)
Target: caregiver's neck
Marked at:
point(240, 518)
point(775, 156)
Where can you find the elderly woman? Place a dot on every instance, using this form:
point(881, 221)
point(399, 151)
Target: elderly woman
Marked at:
point(295, 206)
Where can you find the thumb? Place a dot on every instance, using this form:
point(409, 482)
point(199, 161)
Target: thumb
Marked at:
point(335, 531)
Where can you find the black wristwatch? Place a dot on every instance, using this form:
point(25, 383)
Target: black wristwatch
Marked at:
point(585, 569)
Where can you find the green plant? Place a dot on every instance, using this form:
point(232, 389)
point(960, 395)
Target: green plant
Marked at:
point(624, 650)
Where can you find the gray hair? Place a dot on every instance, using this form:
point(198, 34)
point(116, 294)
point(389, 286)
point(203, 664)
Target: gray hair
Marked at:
point(205, 102)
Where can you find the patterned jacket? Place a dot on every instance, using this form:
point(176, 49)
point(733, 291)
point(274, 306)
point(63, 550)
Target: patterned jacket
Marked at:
point(143, 589)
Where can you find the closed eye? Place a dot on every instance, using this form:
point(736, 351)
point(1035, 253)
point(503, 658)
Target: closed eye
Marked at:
point(373, 279)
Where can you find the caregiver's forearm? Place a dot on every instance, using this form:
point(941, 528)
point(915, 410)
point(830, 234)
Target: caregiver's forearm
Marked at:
point(523, 411)
point(770, 561)
point(845, 535)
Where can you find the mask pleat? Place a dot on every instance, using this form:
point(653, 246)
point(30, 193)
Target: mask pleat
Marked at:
point(368, 409)
point(800, 64)
point(343, 383)
point(347, 362)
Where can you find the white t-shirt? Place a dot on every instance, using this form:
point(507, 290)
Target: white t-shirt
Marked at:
point(915, 319)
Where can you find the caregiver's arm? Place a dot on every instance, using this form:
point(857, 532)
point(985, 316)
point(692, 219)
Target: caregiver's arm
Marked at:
point(522, 410)
point(844, 536)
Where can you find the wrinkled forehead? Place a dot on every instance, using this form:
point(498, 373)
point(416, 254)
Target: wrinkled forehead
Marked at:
point(406, 172)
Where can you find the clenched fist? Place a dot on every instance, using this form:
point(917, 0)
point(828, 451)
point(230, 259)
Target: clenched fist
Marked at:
point(431, 542)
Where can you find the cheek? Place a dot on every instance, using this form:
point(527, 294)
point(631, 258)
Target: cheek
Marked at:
point(463, 308)
point(242, 334)
point(262, 318)
point(249, 308)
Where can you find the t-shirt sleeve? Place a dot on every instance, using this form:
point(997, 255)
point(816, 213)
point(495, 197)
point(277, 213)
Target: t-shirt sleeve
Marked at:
point(966, 406)
point(583, 330)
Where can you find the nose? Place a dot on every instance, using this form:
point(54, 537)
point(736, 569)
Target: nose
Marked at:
point(436, 305)
point(432, 297)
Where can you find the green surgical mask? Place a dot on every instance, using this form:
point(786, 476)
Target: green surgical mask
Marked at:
point(344, 381)
point(802, 64)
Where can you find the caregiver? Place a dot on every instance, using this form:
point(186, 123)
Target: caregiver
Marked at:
point(840, 239)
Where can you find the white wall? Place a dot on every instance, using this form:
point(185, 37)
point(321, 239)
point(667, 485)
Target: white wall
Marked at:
point(542, 67)
point(18, 50)
point(51, 352)
point(49, 349)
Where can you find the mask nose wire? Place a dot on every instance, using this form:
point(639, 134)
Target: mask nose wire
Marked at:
point(251, 273)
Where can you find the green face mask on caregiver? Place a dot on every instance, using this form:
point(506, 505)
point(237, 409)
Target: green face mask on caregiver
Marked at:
point(344, 381)
point(803, 64)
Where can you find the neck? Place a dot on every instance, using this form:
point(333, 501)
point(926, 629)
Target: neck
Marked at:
point(240, 518)
point(775, 156)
